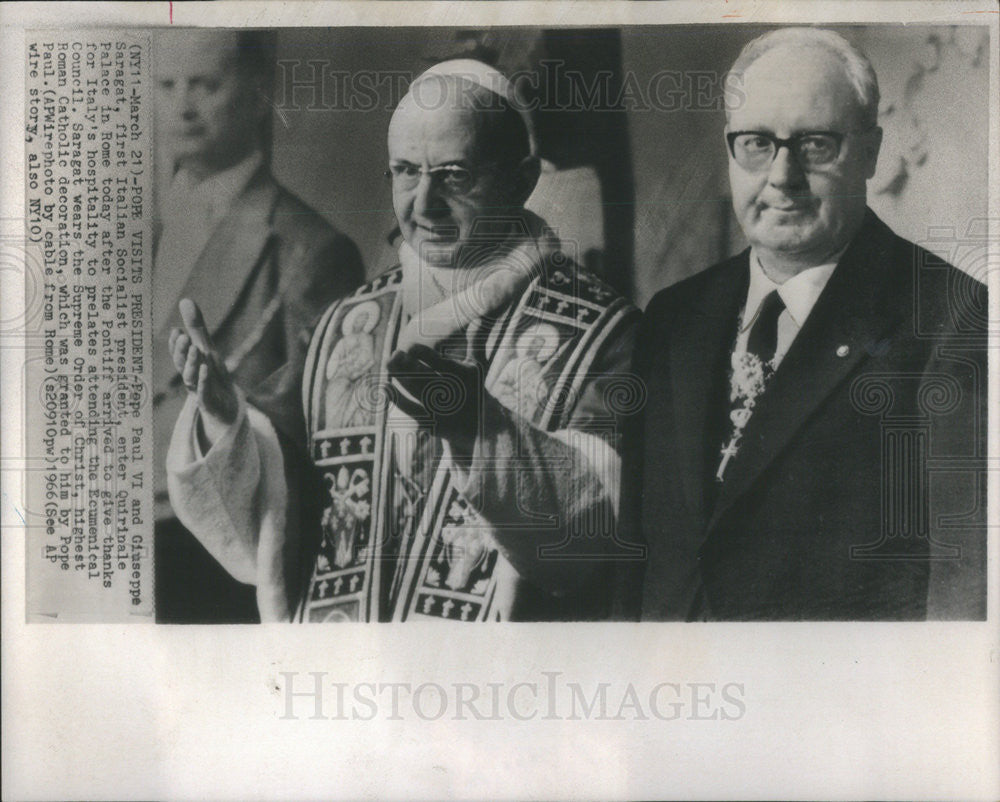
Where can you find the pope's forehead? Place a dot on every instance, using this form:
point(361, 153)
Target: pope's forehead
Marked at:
point(418, 123)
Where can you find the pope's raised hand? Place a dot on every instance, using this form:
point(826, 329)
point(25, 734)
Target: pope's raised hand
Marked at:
point(201, 367)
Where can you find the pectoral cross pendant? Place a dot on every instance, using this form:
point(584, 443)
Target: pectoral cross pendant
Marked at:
point(727, 454)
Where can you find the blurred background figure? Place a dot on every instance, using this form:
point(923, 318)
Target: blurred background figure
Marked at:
point(261, 261)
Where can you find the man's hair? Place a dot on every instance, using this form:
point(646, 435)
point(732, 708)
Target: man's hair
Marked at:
point(255, 66)
point(857, 68)
point(255, 57)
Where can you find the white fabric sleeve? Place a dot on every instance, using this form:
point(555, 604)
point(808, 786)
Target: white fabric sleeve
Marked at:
point(550, 498)
point(587, 453)
point(233, 499)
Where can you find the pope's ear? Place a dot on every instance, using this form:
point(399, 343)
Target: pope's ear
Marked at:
point(872, 143)
point(527, 177)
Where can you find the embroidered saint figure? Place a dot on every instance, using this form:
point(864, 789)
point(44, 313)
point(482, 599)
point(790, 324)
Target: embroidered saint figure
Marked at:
point(465, 549)
point(352, 359)
point(521, 385)
point(344, 518)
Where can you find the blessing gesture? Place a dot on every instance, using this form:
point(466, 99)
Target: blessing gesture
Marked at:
point(202, 368)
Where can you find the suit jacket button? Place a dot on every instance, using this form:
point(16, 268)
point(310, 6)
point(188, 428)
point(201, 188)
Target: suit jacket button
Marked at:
point(843, 350)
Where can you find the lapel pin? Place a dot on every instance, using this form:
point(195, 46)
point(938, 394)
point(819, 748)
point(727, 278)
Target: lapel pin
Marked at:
point(843, 350)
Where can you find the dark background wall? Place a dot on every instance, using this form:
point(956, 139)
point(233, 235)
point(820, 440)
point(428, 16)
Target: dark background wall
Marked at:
point(635, 178)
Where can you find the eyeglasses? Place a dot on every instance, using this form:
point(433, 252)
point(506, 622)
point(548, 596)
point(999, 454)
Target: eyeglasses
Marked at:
point(452, 178)
point(755, 150)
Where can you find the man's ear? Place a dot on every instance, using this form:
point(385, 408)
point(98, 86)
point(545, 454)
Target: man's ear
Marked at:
point(527, 177)
point(873, 143)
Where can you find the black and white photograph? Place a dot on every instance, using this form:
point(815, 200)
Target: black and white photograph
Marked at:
point(655, 338)
point(435, 423)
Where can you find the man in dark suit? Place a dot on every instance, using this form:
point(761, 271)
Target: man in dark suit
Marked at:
point(813, 446)
point(262, 263)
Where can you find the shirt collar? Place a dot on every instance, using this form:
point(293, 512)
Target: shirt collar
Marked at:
point(799, 293)
point(217, 191)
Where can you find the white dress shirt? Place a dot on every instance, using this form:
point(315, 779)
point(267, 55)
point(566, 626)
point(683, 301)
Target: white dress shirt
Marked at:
point(799, 294)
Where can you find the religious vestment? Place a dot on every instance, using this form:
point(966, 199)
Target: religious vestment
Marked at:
point(401, 531)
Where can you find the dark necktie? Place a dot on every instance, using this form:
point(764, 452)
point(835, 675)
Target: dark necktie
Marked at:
point(763, 339)
point(762, 344)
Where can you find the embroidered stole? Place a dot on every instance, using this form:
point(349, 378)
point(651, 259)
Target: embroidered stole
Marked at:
point(392, 549)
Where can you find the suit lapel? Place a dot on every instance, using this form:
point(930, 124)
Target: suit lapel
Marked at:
point(849, 317)
point(699, 351)
point(228, 260)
